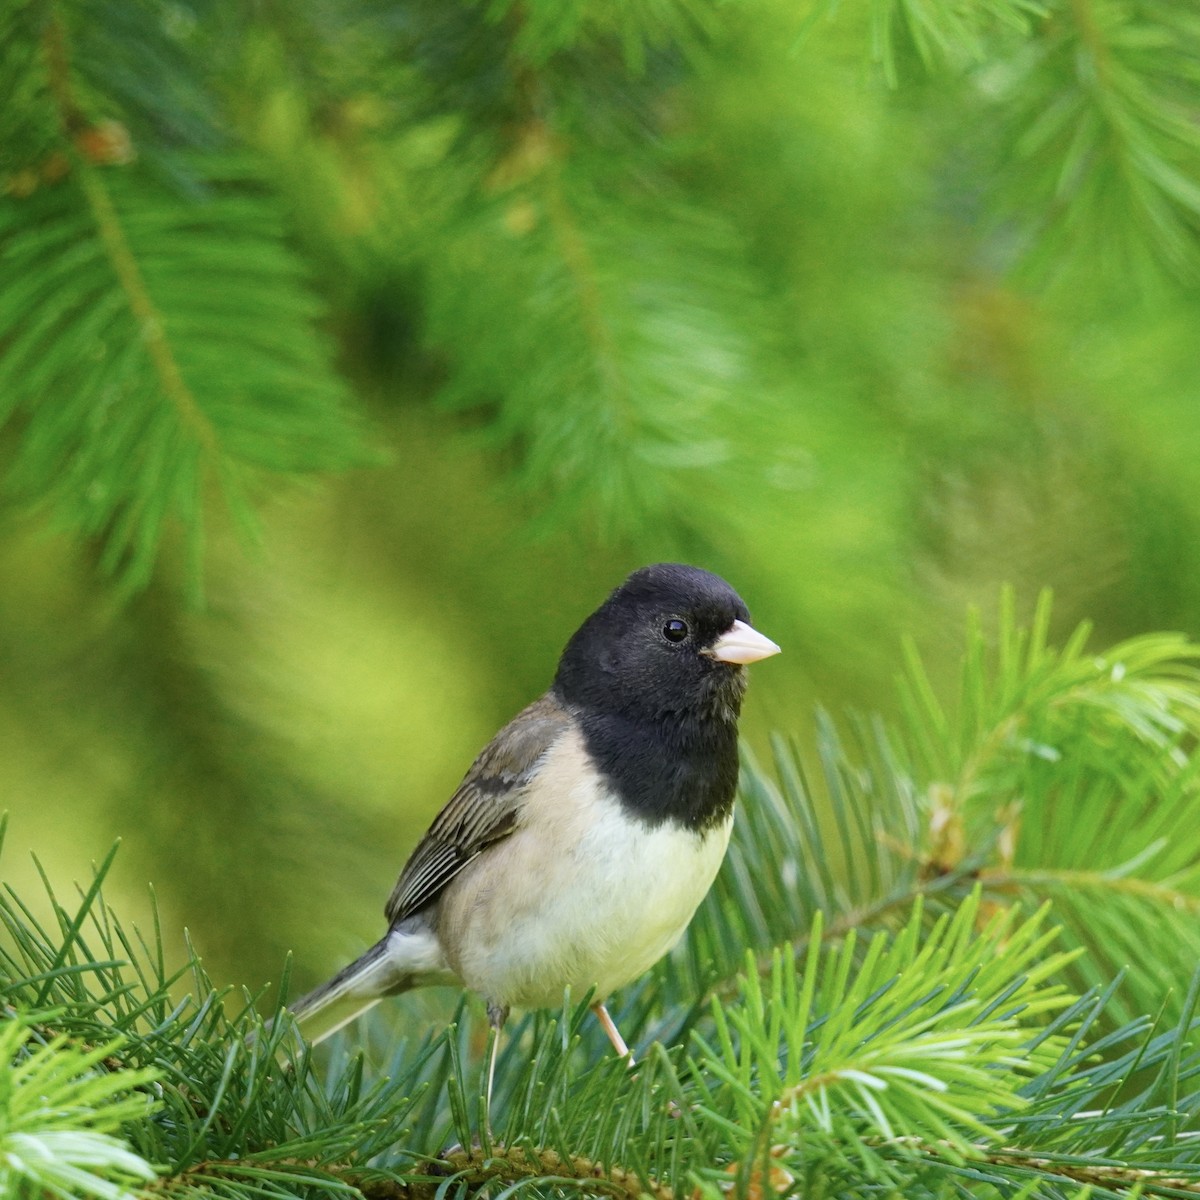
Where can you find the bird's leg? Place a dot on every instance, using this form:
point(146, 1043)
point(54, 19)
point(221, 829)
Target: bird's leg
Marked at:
point(497, 1014)
point(613, 1033)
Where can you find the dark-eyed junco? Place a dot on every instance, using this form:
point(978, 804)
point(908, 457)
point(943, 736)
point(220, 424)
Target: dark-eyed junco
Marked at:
point(584, 836)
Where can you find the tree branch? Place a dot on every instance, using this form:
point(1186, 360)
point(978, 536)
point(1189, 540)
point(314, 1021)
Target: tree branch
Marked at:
point(1113, 1175)
point(1093, 41)
point(125, 266)
point(1146, 889)
point(505, 1165)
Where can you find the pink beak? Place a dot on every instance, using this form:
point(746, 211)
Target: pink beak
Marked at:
point(741, 643)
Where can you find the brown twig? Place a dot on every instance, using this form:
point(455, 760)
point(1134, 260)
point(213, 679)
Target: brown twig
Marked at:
point(505, 1165)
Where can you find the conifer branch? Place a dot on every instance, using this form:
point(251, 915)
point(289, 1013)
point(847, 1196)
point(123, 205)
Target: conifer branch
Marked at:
point(475, 1168)
point(573, 250)
point(581, 269)
point(1138, 1181)
point(509, 1164)
point(148, 320)
point(1172, 899)
point(58, 72)
point(576, 257)
point(1093, 40)
point(864, 916)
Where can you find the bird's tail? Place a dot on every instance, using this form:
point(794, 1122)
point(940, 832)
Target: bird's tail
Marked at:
point(352, 991)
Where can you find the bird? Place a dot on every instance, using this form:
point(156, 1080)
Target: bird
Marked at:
point(584, 836)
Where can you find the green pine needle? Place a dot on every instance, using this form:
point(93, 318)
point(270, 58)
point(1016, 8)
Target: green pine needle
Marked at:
point(61, 1111)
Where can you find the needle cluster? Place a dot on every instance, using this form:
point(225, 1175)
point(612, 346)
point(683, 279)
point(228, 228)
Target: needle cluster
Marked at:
point(904, 983)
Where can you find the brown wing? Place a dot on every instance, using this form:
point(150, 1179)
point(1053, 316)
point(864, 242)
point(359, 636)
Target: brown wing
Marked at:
point(485, 808)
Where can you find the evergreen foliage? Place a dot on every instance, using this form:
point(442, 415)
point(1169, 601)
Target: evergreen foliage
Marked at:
point(235, 241)
point(60, 1115)
point(542, 180)
point(158, 334)
point(862, 1008)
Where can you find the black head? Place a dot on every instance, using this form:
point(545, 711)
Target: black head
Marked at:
point(648, 651)
point(655, 676)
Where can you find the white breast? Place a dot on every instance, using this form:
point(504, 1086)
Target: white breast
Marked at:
point(581, 895)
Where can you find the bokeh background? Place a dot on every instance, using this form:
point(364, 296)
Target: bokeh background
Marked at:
point(351, 352)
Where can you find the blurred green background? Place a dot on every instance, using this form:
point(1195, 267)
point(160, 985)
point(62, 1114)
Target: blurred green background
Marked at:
point(351, 352)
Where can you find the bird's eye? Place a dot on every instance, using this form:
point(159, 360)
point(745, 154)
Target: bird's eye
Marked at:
point(675, 630)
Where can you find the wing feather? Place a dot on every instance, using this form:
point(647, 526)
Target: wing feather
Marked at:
point(485, 809)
